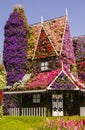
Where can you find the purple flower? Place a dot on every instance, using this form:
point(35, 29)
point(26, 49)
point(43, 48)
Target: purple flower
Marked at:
point(15, 48)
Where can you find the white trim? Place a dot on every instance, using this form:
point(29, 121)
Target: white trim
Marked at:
point(63, 89)
point(83, 86)
point(63, 35)
point(71, 80)
point(50, 41)
point(22, 92)
point(66, 13)
point(37, 43)
point(83, 90)
point(41, 19)
point(54, 80)
point(57, 77)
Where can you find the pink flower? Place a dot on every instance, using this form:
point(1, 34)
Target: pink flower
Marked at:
point(70, 124)
point(76, 128)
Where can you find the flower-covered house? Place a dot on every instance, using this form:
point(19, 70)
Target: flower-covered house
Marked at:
point(43, 65)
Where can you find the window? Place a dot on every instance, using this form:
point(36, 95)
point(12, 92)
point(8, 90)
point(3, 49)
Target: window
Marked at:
point(43, 43)
point(44, 66)
point(36, 98)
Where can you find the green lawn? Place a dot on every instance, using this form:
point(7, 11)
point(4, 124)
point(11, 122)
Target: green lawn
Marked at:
point(24, 123)
point(20, 123)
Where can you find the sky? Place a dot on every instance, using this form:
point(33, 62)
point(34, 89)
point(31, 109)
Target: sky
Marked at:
point(49, 9)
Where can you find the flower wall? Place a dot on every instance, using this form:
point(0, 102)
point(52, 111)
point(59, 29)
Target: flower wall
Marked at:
point(42, 80)
point(10, 101)
point(53, 32)
point(34, 66)
point(63, 83)
point(44, 47)
point(31, 46)
point(67, 54)
point(54, 45)
point(79, 47)
point(15, 48)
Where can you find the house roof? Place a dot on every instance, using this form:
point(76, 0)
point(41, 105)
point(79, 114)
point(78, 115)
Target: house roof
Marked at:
point(63, 82)
point(45, 79)
point(74, 77)
point(58, 34)
point(54, 29)
point(42, 80)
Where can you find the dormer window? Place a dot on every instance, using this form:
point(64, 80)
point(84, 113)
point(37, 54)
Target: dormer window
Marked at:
point(44, 66)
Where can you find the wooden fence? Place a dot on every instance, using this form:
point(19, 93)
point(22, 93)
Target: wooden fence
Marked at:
point(32, 111)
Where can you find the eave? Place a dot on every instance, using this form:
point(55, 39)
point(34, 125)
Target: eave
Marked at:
point(24, 92)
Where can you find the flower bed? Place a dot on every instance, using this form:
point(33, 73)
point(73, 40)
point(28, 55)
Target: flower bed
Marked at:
point(62, 124)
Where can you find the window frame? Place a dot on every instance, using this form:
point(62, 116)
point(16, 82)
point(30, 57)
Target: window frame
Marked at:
point(44, 66)
point(36, 98)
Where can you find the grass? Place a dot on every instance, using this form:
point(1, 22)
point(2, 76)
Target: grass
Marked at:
point(25, 123)
point(20, 123)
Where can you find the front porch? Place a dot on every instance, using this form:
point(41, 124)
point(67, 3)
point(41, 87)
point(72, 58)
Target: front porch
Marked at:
point(44, 103)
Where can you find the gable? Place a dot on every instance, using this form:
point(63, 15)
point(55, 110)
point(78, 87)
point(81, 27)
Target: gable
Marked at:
point(54, 29)
point(44, 47)
point(63, 82)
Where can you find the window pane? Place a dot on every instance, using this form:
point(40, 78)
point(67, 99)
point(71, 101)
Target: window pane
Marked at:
point(34, 100)
point(43, 43)
point(46, 63)
point(42, 64)
point(42, 68)
point(38, 95)
point(46, 67)
point(34, 96)
point(38, 100)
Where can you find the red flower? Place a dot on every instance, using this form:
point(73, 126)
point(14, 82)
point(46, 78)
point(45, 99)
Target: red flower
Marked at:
point(78, 84)
point(1, 97)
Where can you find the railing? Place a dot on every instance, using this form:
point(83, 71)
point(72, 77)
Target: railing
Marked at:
point(14, 111)
point(32, 111)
